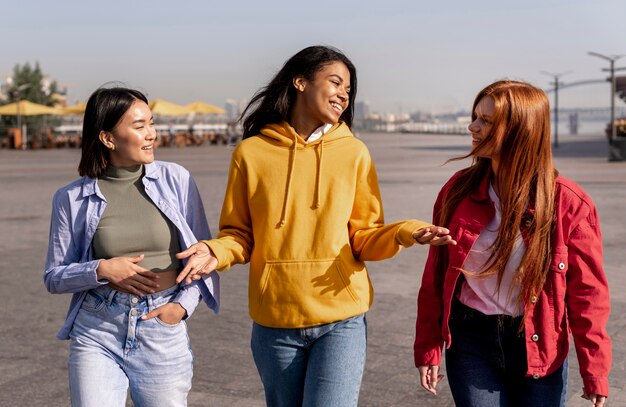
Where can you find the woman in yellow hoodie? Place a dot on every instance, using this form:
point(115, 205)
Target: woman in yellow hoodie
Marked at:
point(303, 206)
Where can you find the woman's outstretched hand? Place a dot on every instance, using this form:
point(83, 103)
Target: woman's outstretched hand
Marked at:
point(201, 261)
point(434, 236)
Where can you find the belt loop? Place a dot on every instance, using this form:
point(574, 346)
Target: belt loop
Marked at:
point(149, 298)
point(111, 296)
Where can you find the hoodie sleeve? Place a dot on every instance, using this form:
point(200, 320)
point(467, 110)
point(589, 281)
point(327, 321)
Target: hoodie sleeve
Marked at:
point(234, 241)
point(371, 239)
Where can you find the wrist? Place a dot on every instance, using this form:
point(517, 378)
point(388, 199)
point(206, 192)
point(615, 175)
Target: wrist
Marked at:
point(181, 311)
point(101, 270)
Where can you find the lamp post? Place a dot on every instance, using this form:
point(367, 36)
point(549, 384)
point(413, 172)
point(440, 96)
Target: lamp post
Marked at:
point(611, 59)
point(556, 77)
point(18, 92)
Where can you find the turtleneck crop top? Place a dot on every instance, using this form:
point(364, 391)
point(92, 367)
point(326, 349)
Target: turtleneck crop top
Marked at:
point(132, 224)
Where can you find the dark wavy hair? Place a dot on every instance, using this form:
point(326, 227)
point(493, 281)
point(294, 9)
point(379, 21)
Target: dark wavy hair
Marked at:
point(272, 104)
point(105, 108)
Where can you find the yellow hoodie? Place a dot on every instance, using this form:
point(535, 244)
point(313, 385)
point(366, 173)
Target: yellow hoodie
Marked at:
point(306, 217)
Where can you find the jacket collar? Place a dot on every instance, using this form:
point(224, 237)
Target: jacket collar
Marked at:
point(482, 192)
point(152, 170)
point(89, 187)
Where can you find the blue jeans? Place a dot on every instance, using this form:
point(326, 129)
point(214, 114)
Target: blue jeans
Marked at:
point(486, 364)
point(317, 366)
point(112, 350)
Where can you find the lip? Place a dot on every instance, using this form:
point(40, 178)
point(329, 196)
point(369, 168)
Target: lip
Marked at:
point(148, 148)
point(337, 107)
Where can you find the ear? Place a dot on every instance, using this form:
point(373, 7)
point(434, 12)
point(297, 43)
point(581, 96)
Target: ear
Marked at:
point(106, 138)
point(299, 83)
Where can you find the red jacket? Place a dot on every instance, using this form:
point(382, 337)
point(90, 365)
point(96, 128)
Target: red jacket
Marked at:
point(574, 298)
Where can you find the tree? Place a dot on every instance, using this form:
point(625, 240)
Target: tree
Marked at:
point(38, 89)
point(41, 90)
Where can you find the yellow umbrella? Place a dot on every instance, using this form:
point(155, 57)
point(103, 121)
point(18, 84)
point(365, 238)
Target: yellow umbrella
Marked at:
point(75, 109)
point(165, 108)
point(201, 107)
point(27, 108)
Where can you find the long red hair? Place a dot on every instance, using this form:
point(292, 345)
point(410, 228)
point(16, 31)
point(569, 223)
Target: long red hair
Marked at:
point(526, 174)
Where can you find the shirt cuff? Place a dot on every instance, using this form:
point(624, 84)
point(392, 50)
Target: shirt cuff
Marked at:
point(188, 297)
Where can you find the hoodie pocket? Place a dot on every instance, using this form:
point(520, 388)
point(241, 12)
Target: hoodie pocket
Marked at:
point(303, 284)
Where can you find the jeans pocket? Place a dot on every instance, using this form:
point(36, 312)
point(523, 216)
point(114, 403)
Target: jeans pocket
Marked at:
point(167, 325)
point(93, 302)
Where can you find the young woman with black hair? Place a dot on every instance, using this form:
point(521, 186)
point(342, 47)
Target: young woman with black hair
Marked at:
point(114, 237)
point(303, 207)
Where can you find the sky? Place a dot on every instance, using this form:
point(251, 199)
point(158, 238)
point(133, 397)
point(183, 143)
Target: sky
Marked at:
point(432, 56)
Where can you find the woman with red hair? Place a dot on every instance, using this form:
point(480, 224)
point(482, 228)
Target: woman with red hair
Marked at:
point(526, 270)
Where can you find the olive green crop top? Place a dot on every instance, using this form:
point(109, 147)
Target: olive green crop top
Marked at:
point(132, 224)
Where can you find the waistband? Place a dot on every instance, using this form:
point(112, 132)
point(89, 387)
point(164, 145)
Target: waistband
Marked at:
point(461, 311)
point(127, 298)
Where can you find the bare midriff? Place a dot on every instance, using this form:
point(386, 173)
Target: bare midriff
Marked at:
point(166, 280)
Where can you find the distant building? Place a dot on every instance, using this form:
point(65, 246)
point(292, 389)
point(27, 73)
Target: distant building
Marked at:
point(232, 109)
point(361, 110)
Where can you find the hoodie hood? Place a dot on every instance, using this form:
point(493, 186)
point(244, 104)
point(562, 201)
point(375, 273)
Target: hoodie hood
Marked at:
point(285, 135)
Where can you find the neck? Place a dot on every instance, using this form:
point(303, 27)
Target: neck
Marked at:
point(303, 123)
point(494, 177)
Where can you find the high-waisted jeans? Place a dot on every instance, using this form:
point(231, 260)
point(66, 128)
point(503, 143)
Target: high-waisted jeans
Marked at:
point(486, 364)
point(113, 350)
point(319, 366)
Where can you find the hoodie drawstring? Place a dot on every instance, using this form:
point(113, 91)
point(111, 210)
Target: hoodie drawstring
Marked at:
point(292, 162)
point(319, 176)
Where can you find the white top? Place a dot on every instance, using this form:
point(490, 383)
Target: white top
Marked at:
point(483, 294)
point(318, 133)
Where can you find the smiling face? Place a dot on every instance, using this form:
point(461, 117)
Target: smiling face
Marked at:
point(131, 142)
point(322, 99)
point(481, 129)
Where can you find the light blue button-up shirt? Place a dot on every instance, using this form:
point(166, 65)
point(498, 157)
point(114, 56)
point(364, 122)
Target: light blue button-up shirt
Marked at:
point(76, 212)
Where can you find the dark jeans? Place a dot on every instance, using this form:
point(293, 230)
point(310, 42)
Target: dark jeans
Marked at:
point(486, 364)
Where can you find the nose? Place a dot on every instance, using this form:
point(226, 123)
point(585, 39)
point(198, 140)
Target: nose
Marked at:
point(152, 133)
point(473, 127)
point(343, 93)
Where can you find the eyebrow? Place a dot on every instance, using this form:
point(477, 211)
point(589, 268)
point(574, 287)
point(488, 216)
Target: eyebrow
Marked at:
point(142, 120)
point(481, 115)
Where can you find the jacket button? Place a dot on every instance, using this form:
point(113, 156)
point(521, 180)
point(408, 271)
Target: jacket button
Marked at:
point(536, 376)
point(534, 338)
point(533, 299)
point(561, 266)
point(528, 223)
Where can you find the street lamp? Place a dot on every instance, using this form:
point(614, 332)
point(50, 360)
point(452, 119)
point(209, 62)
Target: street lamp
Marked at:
point(611, 59)
point(18, 92)
point(556, 77)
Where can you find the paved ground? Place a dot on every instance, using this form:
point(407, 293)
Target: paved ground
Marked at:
point(33, 363)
